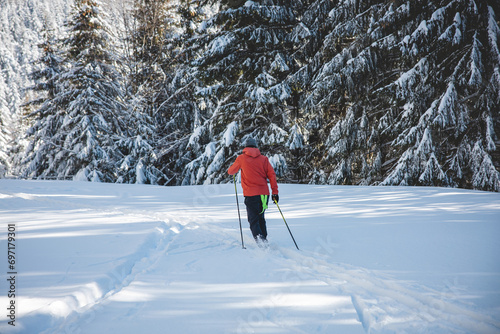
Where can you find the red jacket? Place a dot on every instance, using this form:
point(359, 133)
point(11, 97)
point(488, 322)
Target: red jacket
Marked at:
point(255, 171)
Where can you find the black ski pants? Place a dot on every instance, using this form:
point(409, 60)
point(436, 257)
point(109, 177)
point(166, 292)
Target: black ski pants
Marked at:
point(255, 213)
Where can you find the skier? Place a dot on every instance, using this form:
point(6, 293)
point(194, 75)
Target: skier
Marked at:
point(255, 171)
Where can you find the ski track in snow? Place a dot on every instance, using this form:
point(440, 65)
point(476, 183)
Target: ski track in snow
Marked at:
point(382, 301)
point(152, 249)
point(155, 246)
point(86, 299)
point(382, 304)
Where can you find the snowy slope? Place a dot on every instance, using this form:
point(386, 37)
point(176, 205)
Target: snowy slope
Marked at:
point(104, 258)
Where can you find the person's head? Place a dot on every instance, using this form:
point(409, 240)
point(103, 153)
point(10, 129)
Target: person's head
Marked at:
point(250, 142)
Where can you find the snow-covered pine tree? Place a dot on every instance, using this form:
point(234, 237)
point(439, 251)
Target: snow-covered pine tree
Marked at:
point(242, 65)
point(180, 112)
point(74, 132)
point(5, 112)
point(4, 133)
point(46, 73)
point(458, 75)
point(307, 133)
point(22, 25)
point(151, 24)
point(162, 80)
point(406, 91)
point(45, 88)
point(18, 31)
point(136, 149)
point(336, 106)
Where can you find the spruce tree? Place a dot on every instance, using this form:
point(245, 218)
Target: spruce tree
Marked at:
point(404, 94)
point(150, 24)
point(4, 134)
point(179, 112)
point(46, 89)
point(242, 66)
point(74, 132)
point(161, 79)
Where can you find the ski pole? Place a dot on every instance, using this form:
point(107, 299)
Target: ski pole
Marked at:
point(286, 225)
point(238, 205)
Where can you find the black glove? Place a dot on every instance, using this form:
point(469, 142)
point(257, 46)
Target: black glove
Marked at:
point(275, 198)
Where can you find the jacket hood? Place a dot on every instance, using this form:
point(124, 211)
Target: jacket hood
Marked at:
point(251, 151)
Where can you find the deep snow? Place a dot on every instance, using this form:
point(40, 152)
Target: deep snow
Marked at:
point(107, 258)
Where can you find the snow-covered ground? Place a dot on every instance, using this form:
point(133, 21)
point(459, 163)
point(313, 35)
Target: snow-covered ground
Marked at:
point(107, 258)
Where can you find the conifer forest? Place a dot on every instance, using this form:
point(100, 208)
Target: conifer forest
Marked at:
point(340, 92)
